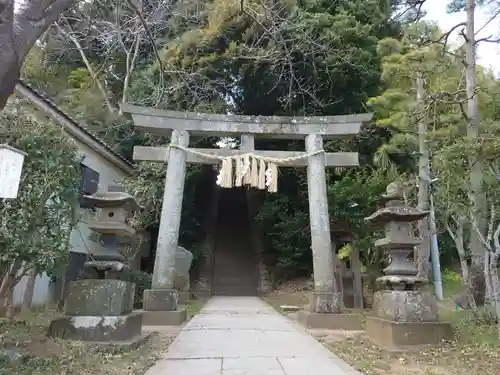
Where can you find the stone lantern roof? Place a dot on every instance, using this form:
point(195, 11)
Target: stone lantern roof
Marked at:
point(396, 213)
point(395, 210)
point(113, 199)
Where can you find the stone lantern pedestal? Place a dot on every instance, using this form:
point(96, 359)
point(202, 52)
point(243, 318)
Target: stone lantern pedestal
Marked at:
point(406, 313)
point(100, 309)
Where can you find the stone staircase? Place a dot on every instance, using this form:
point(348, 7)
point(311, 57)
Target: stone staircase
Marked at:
point(235, 262)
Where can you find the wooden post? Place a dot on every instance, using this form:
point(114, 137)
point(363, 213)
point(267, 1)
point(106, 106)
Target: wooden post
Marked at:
point(357, 281)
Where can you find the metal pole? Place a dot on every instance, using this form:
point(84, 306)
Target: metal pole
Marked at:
point(436, 265)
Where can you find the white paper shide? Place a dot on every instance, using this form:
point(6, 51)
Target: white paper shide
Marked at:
point(11, 166)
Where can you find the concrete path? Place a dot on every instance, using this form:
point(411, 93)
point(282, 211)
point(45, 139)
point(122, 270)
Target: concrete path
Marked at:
point(245, 336)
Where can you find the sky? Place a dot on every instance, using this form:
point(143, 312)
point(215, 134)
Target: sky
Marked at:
point(488, 53)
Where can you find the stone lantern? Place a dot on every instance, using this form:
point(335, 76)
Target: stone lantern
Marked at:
point(405, 313)
point(112, 222)
point(100, 309)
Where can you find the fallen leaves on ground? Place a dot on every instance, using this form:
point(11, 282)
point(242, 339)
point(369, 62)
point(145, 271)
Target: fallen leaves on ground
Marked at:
point(48, 356)
point(26, 335)
point(448, 359)
point(475, 350)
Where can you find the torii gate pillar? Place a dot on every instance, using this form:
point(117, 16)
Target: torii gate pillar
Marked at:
point(161, 301)
point(325, 299)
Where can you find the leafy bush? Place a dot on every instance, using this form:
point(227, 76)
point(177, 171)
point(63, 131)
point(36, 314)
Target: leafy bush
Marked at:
point(36, 226)
point(284, 219)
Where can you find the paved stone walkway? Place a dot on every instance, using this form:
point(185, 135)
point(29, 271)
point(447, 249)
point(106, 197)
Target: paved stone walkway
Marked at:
point(245, 336)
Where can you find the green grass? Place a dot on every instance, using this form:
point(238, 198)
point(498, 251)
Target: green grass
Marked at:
point(452, 284)
point(468, 331)
point(27, 334)
point(48, 356)
point(193, 307)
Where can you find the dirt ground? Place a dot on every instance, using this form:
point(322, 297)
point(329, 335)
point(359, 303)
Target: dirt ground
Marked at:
point(46, 356)
point(448, 359)
point(474, 350)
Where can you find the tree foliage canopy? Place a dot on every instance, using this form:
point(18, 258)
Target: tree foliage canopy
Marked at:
point(284, 57)
point(287, 57)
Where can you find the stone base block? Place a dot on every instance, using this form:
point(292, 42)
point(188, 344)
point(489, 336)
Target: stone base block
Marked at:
point(91, 297)
point(405, 305)
point(346, 322)
point(97, 328)
point(164, 318)
point(407, 335)
point(126, 345)
point(160, 300)
point(184, 297)
point(325, 302)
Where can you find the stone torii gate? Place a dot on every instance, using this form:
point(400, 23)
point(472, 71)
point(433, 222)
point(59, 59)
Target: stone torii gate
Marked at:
point(161, 299)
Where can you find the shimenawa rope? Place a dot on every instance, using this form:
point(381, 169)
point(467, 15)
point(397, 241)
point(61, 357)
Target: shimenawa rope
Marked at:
point(249, 168)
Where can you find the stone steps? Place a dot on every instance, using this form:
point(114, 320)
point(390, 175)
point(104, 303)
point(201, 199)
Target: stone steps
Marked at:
point(234, 291)
point(235, 264)
point(233, 278)
point(235, 283)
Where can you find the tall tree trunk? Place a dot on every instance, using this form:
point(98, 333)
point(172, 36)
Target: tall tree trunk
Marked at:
point(423, 250)
point(476, 246)
point(29, 291)
point(495, 285)
point(19, 31)
point(10, 69)
point(459, 243)
point(4, 286)
point(488, 285)
point(494, 275)
point(458, 238)
point(9, 299)
point(3, 291)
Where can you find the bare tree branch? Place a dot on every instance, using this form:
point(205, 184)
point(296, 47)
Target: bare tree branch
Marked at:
point(153, 45)
point(487, 40)
point(486, 241)
point(446, 36)
point(69, 34)
point(412, 10)
point(127, 29)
